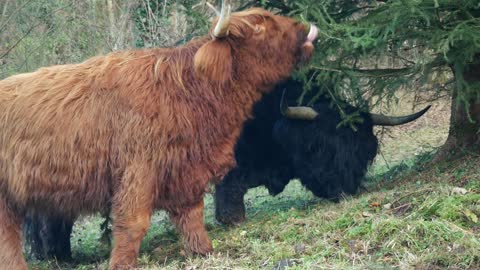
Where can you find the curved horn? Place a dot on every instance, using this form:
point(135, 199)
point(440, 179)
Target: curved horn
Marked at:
point(383, 120)
point(299, 112)
point(213, 8)
point(221, 29)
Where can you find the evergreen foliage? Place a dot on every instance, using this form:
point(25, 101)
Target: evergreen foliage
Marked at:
point(370, 49)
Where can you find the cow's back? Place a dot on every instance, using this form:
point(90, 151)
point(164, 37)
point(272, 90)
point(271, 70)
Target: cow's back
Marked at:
point(57, 128)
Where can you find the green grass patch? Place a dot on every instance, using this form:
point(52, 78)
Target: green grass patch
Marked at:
point(413, 216)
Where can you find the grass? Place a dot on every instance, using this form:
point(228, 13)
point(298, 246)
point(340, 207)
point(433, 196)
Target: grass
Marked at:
point(411, 215)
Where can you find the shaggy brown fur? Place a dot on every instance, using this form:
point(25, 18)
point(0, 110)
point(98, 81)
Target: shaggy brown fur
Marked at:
point(135, 131)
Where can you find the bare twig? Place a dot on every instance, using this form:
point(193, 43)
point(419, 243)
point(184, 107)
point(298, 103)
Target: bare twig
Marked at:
point(410, 194)
point(5, 5)
point(4, 24)
point(18, 41)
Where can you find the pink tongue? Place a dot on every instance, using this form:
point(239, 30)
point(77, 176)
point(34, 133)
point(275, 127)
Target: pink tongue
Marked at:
point(312, 34)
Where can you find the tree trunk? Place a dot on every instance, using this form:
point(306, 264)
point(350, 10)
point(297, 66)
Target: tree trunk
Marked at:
point(4, 12)
point(47, 237)
point(463, 135)
point(113, 28)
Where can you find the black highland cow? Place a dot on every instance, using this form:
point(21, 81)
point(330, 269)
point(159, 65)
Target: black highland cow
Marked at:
point(47, 237)
point(278, 145)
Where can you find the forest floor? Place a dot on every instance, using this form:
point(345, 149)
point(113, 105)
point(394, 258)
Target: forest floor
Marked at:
point(411, 215)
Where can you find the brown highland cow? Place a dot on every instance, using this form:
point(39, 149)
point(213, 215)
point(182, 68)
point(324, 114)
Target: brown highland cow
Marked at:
point(136, 131)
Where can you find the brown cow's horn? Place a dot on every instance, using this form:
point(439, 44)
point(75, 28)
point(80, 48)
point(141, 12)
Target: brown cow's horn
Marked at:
point(383, 120)
point(299, 112)
point(221, 29)
point(214, 9)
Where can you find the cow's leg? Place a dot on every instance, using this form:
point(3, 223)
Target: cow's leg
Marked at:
point(130, 224)
point(131, 209)
point(190, 224)
point(229, 204)
point(11, 256)
point(48, 236)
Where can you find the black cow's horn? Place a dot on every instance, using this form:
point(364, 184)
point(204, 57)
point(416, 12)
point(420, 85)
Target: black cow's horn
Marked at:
point(383, 120)
point(299, 112)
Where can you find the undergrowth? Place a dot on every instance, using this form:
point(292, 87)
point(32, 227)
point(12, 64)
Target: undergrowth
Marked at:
point(416, 215)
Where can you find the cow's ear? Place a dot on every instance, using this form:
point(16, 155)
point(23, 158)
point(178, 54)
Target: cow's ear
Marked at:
point(214, 61)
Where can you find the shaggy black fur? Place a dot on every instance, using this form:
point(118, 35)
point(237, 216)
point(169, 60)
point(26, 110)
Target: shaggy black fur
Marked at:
point(47, 237)
point(272, 150)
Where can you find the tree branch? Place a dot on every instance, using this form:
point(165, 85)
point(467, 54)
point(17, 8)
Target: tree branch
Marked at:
point(18, 42)
point(4, 23)
point(383, 72)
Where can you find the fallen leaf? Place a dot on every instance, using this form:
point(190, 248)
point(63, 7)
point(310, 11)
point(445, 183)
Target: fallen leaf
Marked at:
point(375, 204)
point(471, 216)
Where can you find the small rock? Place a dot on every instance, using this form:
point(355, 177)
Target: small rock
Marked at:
point(299, 222)
point(456, 248)
point(367, 214)
point(459, 191)
point(299, 248)
point(355, 246)
point(157, 250)
point(283, 264)
point(387, 206)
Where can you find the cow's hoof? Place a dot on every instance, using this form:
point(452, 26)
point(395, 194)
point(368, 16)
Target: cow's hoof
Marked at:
point(230, 220)
point(200, 248)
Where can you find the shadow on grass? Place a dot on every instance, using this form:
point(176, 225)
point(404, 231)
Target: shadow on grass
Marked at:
point(260, 205)
point(162, 244)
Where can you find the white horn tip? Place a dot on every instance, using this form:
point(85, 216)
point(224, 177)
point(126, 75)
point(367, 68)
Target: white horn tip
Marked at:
point(213, 8)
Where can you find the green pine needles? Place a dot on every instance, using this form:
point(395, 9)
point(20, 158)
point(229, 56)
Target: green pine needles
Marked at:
point(370, 49)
